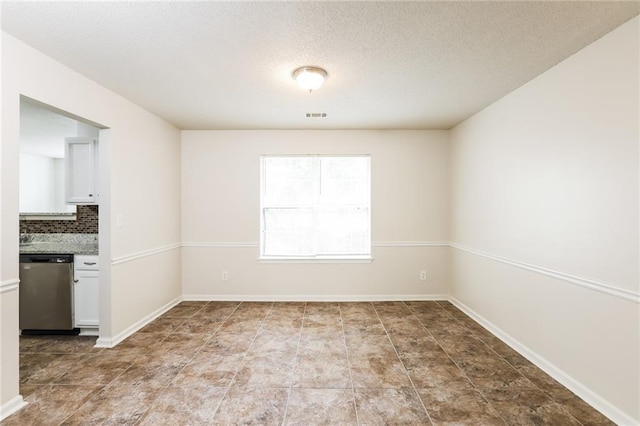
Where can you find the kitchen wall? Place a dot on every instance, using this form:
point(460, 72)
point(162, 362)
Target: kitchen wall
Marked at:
point(42, 184)
point(545, 193)
point(221, 226)
point(86, 222)
point(140, 200)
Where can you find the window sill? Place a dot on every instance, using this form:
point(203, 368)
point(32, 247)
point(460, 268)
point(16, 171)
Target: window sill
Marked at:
point(285, 259)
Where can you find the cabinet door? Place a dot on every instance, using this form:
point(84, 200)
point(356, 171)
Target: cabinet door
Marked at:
point(86, 298)
point(81, 170)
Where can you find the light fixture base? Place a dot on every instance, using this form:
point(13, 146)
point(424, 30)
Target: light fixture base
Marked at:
point(309, 78)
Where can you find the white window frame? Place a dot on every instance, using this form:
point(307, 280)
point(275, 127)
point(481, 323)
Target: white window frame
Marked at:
point(333, 258)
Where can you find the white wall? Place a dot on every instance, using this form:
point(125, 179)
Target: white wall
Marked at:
point(545, 186)
point(60, 205)
point(42, 184)
point(141, 183)
point(38, 185)
point(221, 227)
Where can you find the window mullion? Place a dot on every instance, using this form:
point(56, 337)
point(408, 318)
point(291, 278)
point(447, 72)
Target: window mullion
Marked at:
point(316, 201)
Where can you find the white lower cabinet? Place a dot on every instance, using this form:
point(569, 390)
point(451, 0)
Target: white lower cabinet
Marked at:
point(85, 291)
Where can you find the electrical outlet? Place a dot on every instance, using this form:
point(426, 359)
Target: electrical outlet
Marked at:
point(423, 275)
point(225, 275)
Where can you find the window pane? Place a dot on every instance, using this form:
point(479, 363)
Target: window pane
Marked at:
point(315, 205)
point(344, 180)
point(288, 231)
point(289, 181)
point(343, 230)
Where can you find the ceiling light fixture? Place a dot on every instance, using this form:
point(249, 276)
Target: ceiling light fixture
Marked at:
point(309, 78)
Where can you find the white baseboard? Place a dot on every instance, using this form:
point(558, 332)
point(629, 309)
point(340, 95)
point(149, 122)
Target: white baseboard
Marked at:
point(591, 398)
point(89, 331)
point(311, 298)
point(11, 407)
point(106, 342)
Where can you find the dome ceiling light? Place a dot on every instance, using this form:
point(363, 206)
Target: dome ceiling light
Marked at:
point(309, 78)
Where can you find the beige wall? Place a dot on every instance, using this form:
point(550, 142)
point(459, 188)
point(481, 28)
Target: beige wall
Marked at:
point(140, 180)
point(545, 220)
point(221, 227)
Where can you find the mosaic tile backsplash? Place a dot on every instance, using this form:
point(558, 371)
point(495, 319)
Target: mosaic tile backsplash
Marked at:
point(85, 223)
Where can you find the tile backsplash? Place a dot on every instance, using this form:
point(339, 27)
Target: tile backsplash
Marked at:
point(86, 223)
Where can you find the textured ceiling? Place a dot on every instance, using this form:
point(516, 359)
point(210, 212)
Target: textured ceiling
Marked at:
point(392, 65)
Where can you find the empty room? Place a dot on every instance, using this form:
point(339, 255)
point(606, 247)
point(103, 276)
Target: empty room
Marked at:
point(221, 212)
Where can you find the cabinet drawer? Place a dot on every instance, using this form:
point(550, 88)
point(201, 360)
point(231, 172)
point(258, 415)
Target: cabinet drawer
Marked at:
point(84, 262)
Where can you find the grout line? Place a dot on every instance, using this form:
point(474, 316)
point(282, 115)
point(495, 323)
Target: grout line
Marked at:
point(211, 338)
point(295, 363)
point(460, 368)
point(244, 358)
point(561, 406)
point(410, 379)
point(173, 331)
point(346, 351)
point(415, 391)
point(89, 397)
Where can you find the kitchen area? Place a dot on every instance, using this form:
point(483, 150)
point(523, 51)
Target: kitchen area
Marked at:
point(59, 202)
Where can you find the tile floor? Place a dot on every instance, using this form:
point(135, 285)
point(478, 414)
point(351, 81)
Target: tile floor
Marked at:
point(294, 363)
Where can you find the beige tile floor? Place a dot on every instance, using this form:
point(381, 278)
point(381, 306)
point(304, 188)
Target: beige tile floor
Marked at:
point(294, 363)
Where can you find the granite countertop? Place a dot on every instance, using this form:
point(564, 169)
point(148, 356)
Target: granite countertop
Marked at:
point(85, 244)
point(59, 248)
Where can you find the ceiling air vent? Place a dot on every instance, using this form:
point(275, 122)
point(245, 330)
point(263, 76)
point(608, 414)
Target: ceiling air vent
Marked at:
point(316, 114)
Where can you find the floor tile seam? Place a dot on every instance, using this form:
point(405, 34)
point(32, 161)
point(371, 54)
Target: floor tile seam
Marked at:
point(562, 407)
point(223, 322)
point(553, 402)
point(150, 404)
point(86, 401)
point(344, 342)
point(105, 385)
point(510, 364)
point(112, 383)
point(201, 308)
point(413, 386)
point(562, 404)
point(241, 363)
point(51, 381)
point(295, 363)
point(59, 353)
point(473, 384)
point(186, 364)
point(169, 333)
point(549, 395)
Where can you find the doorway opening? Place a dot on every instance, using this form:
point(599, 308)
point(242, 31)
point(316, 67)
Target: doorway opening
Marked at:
point(63, 204)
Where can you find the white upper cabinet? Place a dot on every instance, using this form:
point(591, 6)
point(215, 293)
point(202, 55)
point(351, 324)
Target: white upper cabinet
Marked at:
point(81, 161)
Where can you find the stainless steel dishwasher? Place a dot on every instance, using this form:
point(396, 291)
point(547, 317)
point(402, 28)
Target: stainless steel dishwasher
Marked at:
point(46, 292)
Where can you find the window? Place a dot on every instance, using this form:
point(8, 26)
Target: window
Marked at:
point(315, 207)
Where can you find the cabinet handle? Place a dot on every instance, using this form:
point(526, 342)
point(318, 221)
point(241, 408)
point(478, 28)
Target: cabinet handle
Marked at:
point(90, 195)
point(89, 263)
point(75, 281)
